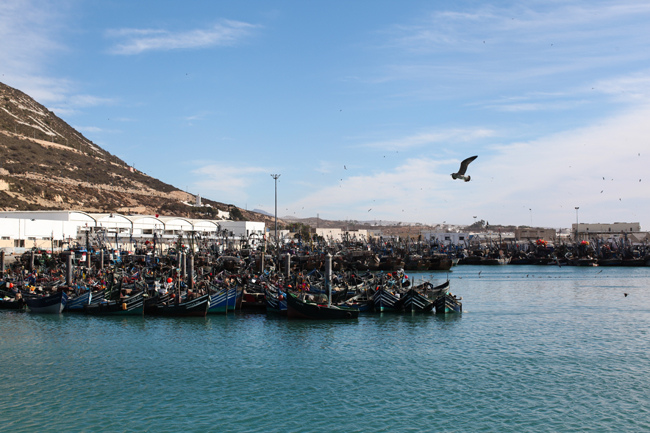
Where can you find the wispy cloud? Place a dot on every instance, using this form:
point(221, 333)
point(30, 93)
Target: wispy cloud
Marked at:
point(33, 34)
point(635, 87)
point(454, 135)
point(29, 30)
point(551, 175)
point(136, 41)
point(494, 50)
point(96, 130)
point(227, 181)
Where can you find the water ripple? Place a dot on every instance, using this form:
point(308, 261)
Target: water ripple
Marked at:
point(540, 350)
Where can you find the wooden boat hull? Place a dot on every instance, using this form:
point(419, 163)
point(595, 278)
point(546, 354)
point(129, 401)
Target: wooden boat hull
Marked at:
point(77, 304)
point(415, 302)
point(299, 309)
point(52, 304)
point(253, 301)
point(385, 301)
point(225, 299)
point(448, 303)
point(12, 304)
point(131, 306)
point(197, 307)
point(275, 304)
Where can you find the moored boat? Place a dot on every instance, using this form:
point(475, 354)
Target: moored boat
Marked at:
point(194, 307)
point(386, 300)
point(77, 303)
point(448, 303)
point(47, 304)
point(421, 298)
point(129, 306)
point(12, 304)
point(303, 309)
point(276, 301)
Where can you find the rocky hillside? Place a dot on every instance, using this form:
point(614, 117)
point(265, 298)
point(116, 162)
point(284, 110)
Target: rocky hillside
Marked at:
point(47, 165)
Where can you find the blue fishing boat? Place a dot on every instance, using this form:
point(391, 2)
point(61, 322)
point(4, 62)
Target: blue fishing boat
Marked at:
point(76, 304)
point(224, 299)
point(276, 301)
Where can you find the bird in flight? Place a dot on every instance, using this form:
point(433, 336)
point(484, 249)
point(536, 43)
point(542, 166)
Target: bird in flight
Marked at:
point(463, 169)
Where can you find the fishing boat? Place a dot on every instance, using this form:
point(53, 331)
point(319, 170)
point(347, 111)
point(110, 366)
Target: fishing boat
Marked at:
point(129, 306)
point(363, 301)
point(77, 303)
point(253, 300)
point(415, 302)
point(386, 300)
point(303, 309)
point(194, 307)
point(10, 299)
point(448, 303)
point(8, 303)
point(225, 298)
point(420, 299)
point(47, 304)
point(276, 301)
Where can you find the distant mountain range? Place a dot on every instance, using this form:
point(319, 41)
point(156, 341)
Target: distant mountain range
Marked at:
point(46, 164)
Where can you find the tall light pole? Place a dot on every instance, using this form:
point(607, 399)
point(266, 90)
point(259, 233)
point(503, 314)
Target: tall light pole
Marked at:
point(275, 177)
point(577, 207)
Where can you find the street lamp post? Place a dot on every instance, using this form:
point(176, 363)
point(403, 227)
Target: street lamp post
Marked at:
point(275, 178)
point(577, 207)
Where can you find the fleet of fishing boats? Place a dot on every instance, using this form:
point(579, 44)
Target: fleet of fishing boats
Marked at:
point(171, 286)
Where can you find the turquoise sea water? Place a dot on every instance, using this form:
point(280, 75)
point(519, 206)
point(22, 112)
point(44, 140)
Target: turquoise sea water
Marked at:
point(538, 348)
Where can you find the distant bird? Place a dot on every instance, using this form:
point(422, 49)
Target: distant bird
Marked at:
point(463, 169)
point(345, 168)
point(369, 209)
point(625, 294)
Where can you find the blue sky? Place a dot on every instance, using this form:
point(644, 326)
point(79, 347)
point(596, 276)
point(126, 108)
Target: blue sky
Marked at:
point(364, 108)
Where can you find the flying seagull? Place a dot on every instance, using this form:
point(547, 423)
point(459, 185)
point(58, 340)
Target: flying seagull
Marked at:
point(463, 169)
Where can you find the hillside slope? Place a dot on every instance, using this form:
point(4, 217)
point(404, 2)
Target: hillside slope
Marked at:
point(45, 164)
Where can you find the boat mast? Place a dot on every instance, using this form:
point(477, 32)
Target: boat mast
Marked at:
point(328, 279)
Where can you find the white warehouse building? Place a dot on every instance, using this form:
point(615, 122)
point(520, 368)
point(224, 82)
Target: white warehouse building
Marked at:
point(20, 230)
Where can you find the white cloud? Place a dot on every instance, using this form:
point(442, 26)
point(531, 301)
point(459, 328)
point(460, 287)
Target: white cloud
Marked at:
point(511, 50)
point(32, 34)
point(28, 31)
point(550, 175)
point(137, 41)
point(228, 182)
point(634, 87)
point(454, 135)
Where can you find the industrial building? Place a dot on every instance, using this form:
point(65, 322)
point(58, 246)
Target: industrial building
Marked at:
point(20, 230)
